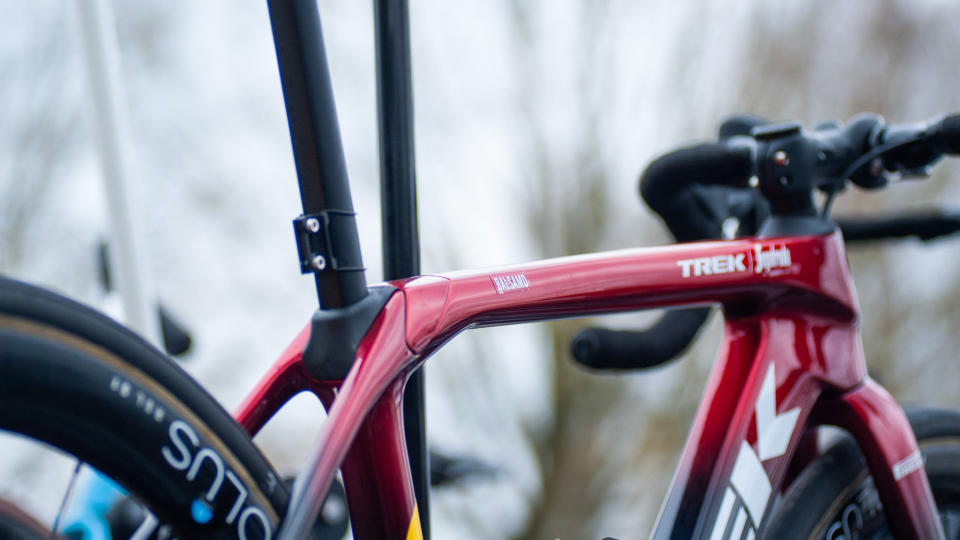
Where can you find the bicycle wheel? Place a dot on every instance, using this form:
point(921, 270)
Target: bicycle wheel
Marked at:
point(75, 380)
point(835, 496)
point(15, 524)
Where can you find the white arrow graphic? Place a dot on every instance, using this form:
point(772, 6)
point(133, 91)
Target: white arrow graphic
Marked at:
point(773, 431)
point(748, 478)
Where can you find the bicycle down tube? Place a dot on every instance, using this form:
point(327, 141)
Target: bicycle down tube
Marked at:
point(791, 359)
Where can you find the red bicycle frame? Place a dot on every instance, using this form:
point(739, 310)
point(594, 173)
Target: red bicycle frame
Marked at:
point(791, 360)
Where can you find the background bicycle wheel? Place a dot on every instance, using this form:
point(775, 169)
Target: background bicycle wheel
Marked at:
point(533, 120)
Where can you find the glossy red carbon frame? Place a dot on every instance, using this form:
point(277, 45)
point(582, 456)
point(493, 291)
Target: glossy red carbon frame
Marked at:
point(791, 360)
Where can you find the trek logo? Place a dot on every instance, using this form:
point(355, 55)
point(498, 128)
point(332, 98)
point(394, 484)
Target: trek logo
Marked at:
point(708, 266)
point(745, 500)
point(759, 261)
point(510, 282)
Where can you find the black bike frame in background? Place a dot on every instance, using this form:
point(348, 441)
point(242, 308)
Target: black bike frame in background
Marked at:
point(398, 207)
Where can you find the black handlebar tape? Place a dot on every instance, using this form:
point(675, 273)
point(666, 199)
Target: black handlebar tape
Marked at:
point(948, 134)
point(667, 188)
point(740, 124)
point(923, 226)
point(599, 348)
point(665, 184)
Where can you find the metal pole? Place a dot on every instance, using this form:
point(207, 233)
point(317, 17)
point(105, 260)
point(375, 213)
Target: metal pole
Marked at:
point(99, 37)
point(398, 200)
point(317, 150)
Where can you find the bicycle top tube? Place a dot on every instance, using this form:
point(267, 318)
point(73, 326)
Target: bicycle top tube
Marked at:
point(744, 275)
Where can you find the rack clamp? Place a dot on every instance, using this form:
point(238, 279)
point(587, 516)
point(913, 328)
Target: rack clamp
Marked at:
point(315, 234)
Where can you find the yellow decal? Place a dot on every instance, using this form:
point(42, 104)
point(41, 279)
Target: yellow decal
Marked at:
point(414, 532)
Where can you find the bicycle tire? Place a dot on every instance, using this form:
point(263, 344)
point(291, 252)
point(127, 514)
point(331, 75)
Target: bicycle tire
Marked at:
point(834, 497)
point(74, 379)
